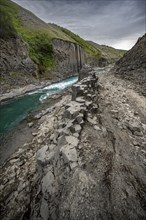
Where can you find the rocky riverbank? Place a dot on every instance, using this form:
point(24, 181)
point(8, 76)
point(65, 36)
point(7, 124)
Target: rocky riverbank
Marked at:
point(86, 160)
point(23, 166)
point(14, 93)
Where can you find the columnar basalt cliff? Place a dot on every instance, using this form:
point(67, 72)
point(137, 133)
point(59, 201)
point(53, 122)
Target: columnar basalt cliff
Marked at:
point(29, 46)
point(69, 57)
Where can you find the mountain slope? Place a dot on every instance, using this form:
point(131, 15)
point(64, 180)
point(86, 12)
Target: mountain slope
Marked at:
point(19, 22)
point(132, 65)
point(110, 53)
point(90, 50)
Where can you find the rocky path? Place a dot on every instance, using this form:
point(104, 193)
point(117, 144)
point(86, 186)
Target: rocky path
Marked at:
point(110, 181)
point(87, 160)
point(114, 152)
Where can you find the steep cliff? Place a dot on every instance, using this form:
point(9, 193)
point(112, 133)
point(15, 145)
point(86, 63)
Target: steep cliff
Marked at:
point(92, 55)
point(31, 46)
point(69, 57)
point(132, 65)
point(134, 59)
point(14, 56)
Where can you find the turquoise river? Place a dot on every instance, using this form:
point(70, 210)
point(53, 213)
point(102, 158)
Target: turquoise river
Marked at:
point(15, 110)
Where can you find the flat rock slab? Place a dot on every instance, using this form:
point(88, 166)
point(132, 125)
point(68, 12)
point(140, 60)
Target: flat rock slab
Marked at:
point(72, 140)
point(47, 183)
point(69, 154)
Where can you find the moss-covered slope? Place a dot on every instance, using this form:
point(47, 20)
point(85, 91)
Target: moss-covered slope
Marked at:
point(16, 21)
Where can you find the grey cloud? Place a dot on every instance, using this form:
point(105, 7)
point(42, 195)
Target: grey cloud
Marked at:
point(103, 21)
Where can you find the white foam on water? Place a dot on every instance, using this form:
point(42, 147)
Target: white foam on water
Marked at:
point(34, 92)
point(57, 87)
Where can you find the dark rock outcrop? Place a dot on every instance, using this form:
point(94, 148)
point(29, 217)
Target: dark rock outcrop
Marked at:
point(14, 56)
point(69, 57)
point(132, 65)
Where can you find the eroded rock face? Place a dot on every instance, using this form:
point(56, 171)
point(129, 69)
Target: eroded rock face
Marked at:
point(132, 66)
point(14, 57)
point(69, 57)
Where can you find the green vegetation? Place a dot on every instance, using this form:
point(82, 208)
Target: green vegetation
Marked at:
point(41, 50)
point(110, 53)
point(7, 29)
point(39, 42)
point(89, 49)
point(38, 35)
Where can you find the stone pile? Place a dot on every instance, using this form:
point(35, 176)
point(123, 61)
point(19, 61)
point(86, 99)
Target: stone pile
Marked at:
point(35, 180)
point(59, 158)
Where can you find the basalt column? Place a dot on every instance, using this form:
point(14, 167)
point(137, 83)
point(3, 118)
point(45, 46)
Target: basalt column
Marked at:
point(69, 57)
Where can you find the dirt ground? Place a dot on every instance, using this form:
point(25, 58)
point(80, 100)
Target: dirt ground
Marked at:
point(111, 181)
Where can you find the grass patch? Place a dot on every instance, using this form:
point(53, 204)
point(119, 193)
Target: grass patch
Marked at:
point(39, 42)
point(89, 49)
point(39, 39)
point(7, 29)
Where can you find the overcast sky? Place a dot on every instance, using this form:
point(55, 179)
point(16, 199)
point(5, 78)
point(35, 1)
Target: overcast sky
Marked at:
point(116, 23)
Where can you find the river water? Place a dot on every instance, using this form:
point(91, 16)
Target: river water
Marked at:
point(14, 111)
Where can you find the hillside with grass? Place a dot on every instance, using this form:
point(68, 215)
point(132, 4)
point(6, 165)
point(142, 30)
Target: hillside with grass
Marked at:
point(90, 50)
point(110, 53)
point(19, 22)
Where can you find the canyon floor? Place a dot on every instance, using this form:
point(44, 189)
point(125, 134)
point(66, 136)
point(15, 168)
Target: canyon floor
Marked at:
point(101, 175)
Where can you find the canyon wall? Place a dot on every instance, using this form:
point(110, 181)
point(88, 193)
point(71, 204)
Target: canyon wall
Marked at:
point(14, 56)
point(132, 66)
point(69, 57)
